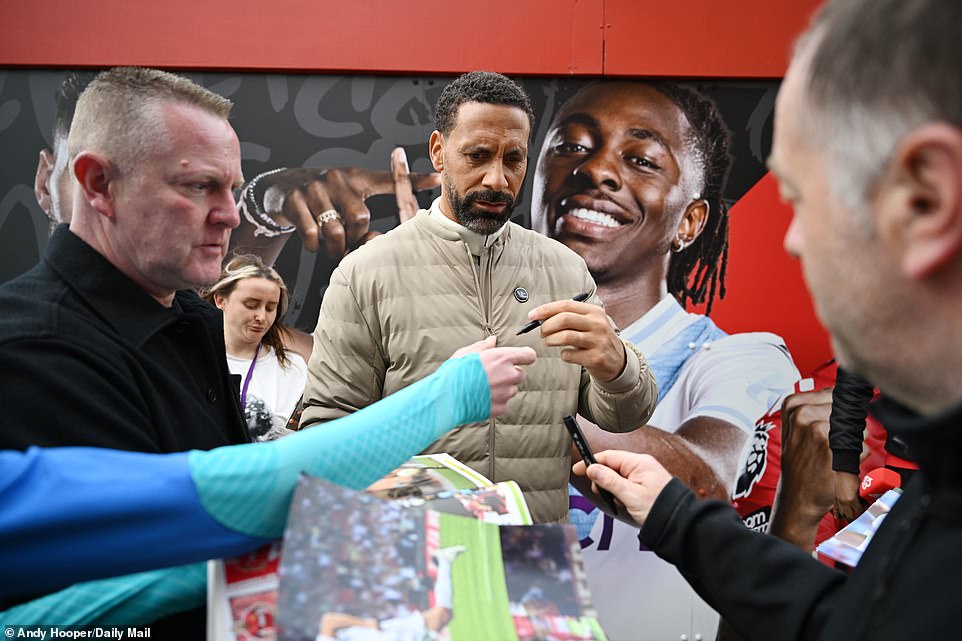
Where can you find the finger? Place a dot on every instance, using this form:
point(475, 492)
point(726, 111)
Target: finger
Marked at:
point(356, 221)
point(476, 346)
point(355, 216)
point(330, 227)
point(501, 365)
point(519, 355)
point(332, 232)
point(814, 417)
point(620, 460)
point(793, 401)
point(368, 236)
point(604, 477)
point(499, 402)
point(589, 323)
point(407, 204)
point(542, 312)
point(297, 210)
point(421, 182)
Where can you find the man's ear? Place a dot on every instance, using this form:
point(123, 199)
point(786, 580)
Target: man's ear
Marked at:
point(41, 182)
point(923, 212)
point(94, 174)
point(692, 222)
point(436, 149)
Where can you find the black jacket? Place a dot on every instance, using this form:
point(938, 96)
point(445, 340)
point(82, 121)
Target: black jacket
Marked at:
point(88, 358)
point(851, 398)
point(906, 586)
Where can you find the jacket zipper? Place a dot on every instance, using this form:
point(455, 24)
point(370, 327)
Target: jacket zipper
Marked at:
point(482, 283)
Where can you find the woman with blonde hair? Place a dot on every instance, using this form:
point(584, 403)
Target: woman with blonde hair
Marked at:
point(253, 297)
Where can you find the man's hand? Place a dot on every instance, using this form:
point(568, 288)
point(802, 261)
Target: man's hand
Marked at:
point(300, 196)
point(503, 367)
point(636, 480)
point(587, 332)
point(848, 503)
point(806, 457)
point(805, 490)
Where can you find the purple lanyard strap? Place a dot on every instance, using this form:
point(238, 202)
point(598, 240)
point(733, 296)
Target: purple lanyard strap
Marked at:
point(247, 380)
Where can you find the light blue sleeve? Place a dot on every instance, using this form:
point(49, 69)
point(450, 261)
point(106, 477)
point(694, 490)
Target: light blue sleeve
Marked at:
point(134, 599)
point(245, 491)
point(73, 514)
point(248, 488)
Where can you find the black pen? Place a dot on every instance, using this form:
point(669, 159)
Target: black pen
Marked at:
point(530, 325)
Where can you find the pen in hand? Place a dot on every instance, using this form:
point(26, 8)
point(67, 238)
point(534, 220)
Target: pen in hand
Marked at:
point(530, 325)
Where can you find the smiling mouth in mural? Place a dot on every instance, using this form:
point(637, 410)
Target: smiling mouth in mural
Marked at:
point(595, 217)
point(585, 216)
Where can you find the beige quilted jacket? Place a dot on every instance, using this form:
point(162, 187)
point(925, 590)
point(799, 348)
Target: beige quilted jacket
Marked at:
point(403, 303)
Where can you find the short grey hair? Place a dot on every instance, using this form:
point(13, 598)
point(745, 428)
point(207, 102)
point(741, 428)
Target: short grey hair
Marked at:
point(118, 114)
point(877, 70)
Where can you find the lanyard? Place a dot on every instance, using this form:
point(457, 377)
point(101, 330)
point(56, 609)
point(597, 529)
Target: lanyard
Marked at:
point(247, 380)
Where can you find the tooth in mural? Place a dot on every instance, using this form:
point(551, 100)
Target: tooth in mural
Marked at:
point(595, 217)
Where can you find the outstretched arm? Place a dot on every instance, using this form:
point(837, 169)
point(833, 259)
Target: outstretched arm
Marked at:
point(850, 401)
point(722, 559)
point(123, 512)
point(703, 453)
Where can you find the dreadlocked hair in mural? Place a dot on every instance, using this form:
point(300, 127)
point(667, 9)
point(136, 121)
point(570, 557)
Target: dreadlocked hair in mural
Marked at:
point(697, 273)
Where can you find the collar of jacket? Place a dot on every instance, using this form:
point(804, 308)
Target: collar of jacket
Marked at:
point(935, 442)
point(119, 302)
point(425, 221)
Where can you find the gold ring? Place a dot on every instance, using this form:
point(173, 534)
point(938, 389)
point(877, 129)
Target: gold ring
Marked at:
point(328, 216)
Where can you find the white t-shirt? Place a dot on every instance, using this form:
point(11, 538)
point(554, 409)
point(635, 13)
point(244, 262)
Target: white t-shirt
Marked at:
point(273, 390)
point(736, 379)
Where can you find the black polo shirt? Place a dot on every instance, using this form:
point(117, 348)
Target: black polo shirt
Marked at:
point(89, 358)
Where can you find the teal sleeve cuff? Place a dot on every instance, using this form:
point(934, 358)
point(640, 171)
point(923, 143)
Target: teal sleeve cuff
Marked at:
point(134, 599)
point(248, 488)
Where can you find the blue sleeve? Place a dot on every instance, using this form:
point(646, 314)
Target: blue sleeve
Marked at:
point(128, 511)
point(248, 488)
point(73, 514)
point(134, 599)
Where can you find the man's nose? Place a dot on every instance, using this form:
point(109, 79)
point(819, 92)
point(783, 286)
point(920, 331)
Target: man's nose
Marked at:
point(793, 238)
point(223, 209)
point(600, 171)
point(494, 177)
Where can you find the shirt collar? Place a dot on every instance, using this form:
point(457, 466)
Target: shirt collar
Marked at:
point(475, 242)
point(934, 442)
point(658, 325)
point(109, 294)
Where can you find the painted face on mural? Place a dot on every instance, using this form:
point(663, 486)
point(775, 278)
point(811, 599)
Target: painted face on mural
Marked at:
point(482, 161)
point(52, 185)
point(613, 178)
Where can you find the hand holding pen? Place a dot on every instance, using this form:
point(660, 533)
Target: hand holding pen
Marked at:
point(530, 325)
point(581, 443)
point(585, 332)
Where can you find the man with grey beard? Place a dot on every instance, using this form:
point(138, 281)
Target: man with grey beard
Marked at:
point(402, 303)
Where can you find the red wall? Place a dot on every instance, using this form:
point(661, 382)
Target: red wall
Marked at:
point(687, 38)
point(765, 287)
point(748, 38)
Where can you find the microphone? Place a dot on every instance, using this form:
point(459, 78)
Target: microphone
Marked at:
point(878, 482)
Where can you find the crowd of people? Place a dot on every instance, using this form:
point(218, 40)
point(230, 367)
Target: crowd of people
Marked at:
point(162, 355)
